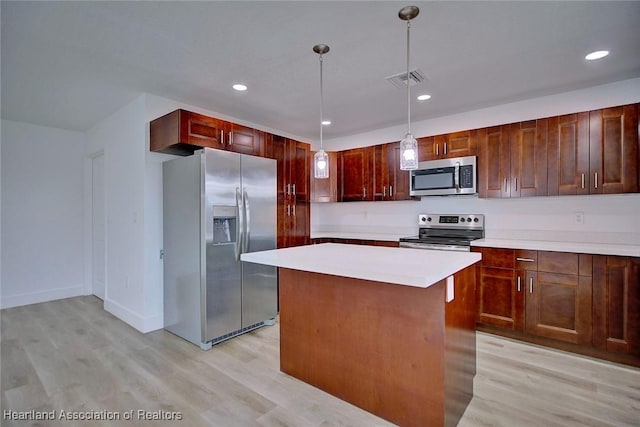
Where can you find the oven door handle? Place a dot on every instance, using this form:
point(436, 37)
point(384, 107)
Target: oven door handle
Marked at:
point(456, 177)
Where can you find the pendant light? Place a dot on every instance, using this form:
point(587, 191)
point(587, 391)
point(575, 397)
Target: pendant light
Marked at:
point(321, 159)
point(408, 145)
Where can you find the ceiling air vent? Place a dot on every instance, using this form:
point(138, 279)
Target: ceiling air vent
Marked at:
point(400, 80)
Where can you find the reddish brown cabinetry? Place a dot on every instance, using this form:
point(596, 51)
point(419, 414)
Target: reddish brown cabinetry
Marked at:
point(616, 300)
point(613, 150)
point(182, 132)
point(293, 195)
point(568, 154)
point(372, 173)
point(456, 144)
point(512, 160)
point(325, 189)
point(354, 175)
point(540, 293)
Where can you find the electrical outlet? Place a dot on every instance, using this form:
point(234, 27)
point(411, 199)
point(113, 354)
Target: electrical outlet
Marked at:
point(579, 217)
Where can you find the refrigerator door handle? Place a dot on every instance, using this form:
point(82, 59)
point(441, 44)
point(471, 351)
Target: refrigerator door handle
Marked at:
point(247, 222)
point(240, 225)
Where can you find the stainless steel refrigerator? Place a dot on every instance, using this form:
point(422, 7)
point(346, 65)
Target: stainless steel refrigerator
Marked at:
point(218, 205)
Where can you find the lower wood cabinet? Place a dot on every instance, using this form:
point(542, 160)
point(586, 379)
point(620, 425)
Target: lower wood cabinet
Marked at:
point(616, 304)
point(588, 304)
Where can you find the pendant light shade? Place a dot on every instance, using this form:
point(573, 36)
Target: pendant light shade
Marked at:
point(321, 159)
point(408, 145)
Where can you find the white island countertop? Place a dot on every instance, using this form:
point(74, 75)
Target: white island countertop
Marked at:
point(402, 266)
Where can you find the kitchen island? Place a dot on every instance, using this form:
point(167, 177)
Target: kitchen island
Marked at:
point(391, 330)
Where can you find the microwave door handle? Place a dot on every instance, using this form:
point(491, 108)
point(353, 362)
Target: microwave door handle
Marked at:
point(456, 177)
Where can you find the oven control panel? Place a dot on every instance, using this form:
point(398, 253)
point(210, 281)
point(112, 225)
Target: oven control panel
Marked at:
point(451, 221)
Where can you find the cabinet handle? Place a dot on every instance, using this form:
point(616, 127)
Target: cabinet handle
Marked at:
point(364, 192)
point(294, 189)
point(516, 181)
point(596, 179)
point(384, 191)
point(582, 180)
point(445, 148)
point(287, 189)
point(294, 209)
point(230, 137)
point(518, 288)
point(288, 210)
point(530, 285)
point(525, 259)
point(505, 185)
point(391, 191)
point(222, 137)
point(437, 150)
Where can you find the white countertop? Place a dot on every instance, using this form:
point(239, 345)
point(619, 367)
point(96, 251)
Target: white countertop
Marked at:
point(403, 266)
point(547, 245)
point(385, 237)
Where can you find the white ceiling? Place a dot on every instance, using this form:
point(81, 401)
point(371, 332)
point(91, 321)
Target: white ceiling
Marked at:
point(71, 64)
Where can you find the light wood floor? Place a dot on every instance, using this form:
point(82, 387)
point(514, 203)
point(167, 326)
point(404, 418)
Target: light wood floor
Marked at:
point(71, 355)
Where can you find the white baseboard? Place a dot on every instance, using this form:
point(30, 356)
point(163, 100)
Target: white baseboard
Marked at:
point(142, 324)
point(8, 301)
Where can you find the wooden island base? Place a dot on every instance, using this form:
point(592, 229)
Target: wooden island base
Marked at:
point(399, 352)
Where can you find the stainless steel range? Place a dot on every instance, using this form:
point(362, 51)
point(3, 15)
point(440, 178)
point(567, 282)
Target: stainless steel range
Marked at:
point(446, 232)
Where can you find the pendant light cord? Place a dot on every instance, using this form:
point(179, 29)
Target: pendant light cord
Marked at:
point(408, 83)
point(321, 102)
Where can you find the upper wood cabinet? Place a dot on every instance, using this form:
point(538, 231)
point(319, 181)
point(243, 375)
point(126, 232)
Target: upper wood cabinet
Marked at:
point(568, 154)
point(182, 132)
point(325, 189)
point(398, 180)
point(594, 152)
point(354, 175)
point(494, 161)
point(243, 139)
point(456, 144)
point(528, 159)
point(512, 160)
point(613, 150)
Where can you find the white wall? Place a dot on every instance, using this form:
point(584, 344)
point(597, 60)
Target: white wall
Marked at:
point(121, 137)
point(609, 95)
point(609, 219)
point(42, 214)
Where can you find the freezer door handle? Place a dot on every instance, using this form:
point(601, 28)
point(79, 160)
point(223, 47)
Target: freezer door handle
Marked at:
point(247, 222)
point(240, 226)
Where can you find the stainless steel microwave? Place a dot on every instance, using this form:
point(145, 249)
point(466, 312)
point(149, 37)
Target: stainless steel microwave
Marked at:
point(445, 177)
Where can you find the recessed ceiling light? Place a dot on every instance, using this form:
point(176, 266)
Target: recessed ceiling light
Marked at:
point(240, 87)
point(596, 55)
point(326, 122)
point(424, 97)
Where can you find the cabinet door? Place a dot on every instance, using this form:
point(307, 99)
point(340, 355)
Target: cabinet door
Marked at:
point(399, 180)
point(298, 161)
point(325, 189)
point(616, 299)
point(380, 173)
point(499, 301)
point(494, 162)
point(275, 148)
point(245, 140)
point(528, 162)
point(558, 306)
point(613, 150)
point(459, 144)
point(427, 149)
point(354, 175)
point(200, 130)
point(568, 154)
point(298, 233)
